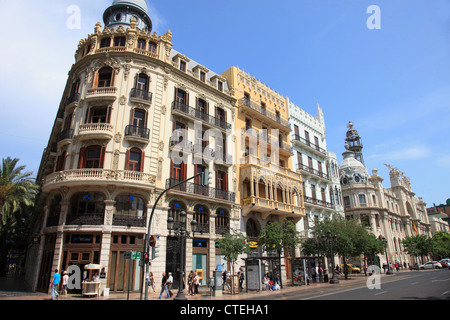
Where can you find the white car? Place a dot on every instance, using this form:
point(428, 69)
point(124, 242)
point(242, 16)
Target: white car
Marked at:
point(431, 265)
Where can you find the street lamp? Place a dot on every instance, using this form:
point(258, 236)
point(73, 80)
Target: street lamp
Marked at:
point(413, 245)
point(330, 240)
point(181, 232)
point(389, 271)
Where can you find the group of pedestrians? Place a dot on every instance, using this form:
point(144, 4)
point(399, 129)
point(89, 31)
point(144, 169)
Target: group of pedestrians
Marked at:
point(397, 265)
point(56, 279)
point(167, 282)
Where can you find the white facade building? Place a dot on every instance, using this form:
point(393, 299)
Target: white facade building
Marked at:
point(318, 167)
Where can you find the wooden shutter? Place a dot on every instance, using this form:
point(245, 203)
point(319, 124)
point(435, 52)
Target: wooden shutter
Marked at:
point(94, 83)
point(141, 169)
point(102, 157)
point(127, 160)
point(82, 158)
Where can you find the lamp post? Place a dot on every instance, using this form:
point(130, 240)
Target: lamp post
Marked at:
point(389, 271)
point(413, 245)
point(330, 240)
point(181, 232)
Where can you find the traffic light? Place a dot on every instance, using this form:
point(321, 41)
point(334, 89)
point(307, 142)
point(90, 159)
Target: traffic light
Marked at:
point(206, 177)
point(155, 252)
point(146, 258)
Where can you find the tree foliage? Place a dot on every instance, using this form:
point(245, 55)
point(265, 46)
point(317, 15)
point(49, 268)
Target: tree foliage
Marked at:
point(17, 196)
point(279, 236)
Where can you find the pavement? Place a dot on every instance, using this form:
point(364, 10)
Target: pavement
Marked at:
point(14, 288)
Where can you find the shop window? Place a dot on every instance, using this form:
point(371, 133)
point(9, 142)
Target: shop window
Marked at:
point(130, 205)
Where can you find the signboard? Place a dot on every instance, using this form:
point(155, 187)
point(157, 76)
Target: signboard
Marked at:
point(134, 255)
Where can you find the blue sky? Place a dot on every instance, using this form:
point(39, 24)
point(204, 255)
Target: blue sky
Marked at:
point(393, 82)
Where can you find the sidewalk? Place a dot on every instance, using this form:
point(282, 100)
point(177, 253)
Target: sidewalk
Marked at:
point(13, 288)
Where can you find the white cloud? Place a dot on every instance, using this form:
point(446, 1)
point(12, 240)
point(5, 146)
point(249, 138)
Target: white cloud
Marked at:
point(443, 161)
point(408, 153)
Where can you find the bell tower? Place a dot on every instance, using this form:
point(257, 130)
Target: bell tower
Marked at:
point(353, 140)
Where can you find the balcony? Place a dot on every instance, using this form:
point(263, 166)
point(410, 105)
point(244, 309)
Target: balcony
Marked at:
point(141, 96)
point(90, 219)
point(72, 101)
point(104, 94)
point(197, 190)
point(260, 111)
point(103, 131)
point(194, 114)
point(65, 137)
point(317, 202)
point(302, 142)
point(311, 171)
point(137, 134)
point(77, 177)
point(129, 221)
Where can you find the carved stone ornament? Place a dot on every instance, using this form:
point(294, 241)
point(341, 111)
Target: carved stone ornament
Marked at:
point(123, 100)
point(118, 137)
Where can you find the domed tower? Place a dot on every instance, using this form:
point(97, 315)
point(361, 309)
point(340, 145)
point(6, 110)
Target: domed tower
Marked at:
point(353, 140)
point(121, 12)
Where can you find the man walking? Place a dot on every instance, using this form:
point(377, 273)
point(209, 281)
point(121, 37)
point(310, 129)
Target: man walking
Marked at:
point(55, 283)
point(164, 286)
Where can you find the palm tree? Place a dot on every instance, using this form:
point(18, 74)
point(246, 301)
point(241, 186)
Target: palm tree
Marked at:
point(17, 194)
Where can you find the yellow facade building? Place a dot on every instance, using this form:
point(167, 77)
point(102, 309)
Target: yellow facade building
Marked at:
point(269, 190)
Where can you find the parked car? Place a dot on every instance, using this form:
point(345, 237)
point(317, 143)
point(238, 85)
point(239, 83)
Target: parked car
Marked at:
point(352, 268)
point(445, 263)
point(413, 267)
point(431, 265)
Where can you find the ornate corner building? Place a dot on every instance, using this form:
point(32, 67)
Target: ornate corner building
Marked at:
point(392, 213)
point(129, 104)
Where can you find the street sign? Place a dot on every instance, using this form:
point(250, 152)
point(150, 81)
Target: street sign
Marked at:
point(132, 255)
point(152, 241)
point(136, 255)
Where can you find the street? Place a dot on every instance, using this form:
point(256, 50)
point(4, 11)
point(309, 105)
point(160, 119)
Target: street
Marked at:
point(421, 285)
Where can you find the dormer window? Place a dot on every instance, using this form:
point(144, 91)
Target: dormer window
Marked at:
point(119, 41)
point(202, 76)
point(183, 66)
point(219, 85)
point(105, 42)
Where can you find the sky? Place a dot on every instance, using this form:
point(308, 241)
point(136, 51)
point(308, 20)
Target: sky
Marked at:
point(392, 81)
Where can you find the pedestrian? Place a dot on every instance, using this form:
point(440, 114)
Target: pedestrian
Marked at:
point(55, 282)
point(241, 278)
point(276, 276)
point(266, 281)
point(169, 284)
point(151, 279)
point(191, 283)
point(65, 280)
point(196, 283)
point(384, 267)
point(164, 286)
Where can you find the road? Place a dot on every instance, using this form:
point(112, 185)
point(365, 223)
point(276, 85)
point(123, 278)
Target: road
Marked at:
point(421, 285)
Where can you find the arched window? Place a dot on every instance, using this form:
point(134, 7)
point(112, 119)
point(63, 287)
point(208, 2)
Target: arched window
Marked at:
point(105, 78)
point(87, 202)
point(201, 215)
point(54, 210)
point(135, 160)
point(175, 208)
point(130, 205)
point(252, 228)
point(91, 157)
point(222, 221)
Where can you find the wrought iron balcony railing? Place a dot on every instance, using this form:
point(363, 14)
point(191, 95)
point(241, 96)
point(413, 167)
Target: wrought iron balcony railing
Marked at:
point(200, 190)
point(198, 114)
point(136, 131)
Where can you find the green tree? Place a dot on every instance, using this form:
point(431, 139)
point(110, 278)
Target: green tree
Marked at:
point(232, 246)
point(17, 196)
point(352, 239)
point(441, 245)
point(279, 236)
point(418, 244)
